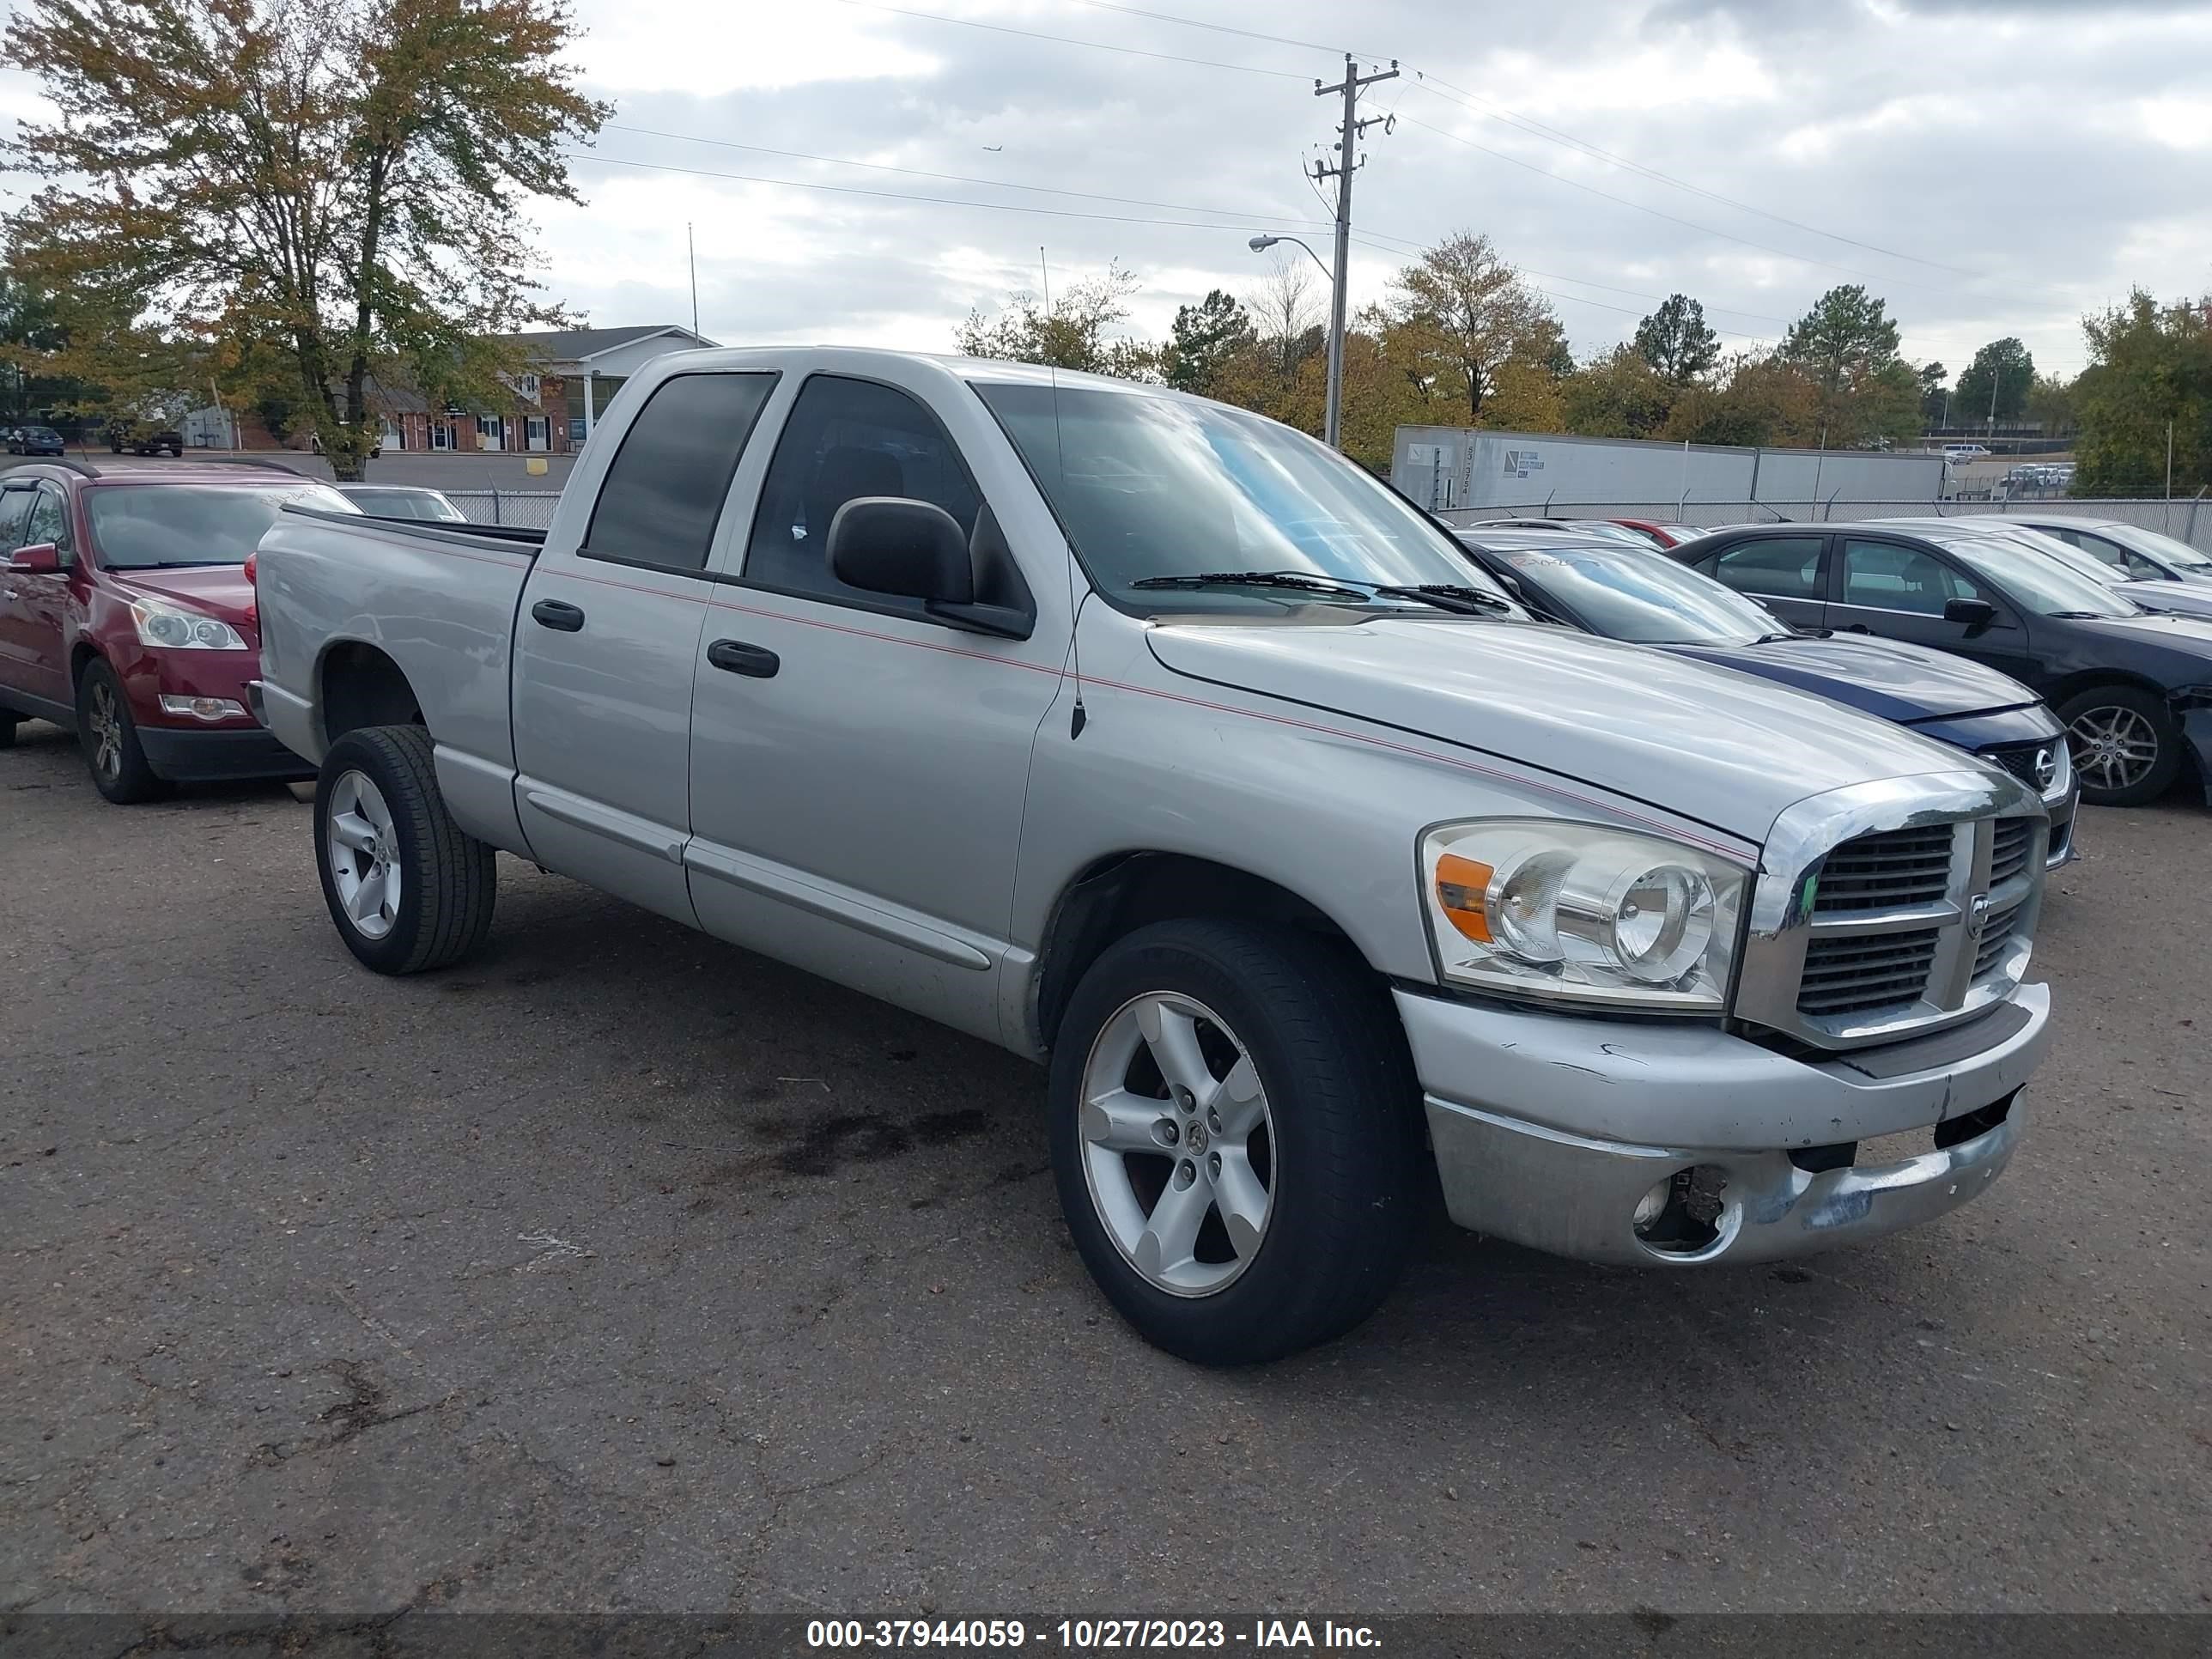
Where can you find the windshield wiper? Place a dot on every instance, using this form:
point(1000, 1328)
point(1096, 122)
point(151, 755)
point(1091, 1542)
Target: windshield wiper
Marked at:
point(1253, 579)
point(2093, 616)
point(1448, 596)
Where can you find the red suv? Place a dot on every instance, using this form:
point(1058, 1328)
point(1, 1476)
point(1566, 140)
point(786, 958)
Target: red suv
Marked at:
point(126, 616)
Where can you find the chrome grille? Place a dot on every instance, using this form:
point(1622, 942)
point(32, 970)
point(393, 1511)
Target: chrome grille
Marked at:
point(1853, 974)
point(1890, 909)
point(1996, 940)
point(1885, 871)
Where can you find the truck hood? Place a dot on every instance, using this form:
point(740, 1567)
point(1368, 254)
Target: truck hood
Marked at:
point(1887, 677)
point(220, 591)
point(1702, 742)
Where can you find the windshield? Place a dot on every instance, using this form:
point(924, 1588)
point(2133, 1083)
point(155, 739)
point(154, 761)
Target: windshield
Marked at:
point(1149, 487)
point(2039, 583)
point(2179, 554)
point(146, 526)
point(1644, 598)
point(45, 434)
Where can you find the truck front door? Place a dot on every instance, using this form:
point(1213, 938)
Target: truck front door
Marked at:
point(604, 641)
point(858, 767)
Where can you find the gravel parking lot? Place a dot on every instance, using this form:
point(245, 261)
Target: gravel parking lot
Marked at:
point(619, 1269)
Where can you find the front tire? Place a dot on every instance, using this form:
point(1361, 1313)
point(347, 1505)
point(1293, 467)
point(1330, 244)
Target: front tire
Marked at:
point(7, 729)
point(407, 889)
point(2127, 747)
point(109, 738)
point(1233, 1134)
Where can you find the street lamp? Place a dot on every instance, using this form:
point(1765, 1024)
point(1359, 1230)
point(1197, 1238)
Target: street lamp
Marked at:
point(1332, 421)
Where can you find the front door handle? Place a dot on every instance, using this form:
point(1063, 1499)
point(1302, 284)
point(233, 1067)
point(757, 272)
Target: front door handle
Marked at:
point(557, 614)
point(757, 661)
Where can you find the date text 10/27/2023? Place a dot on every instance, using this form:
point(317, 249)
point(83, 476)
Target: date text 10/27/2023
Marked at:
point(1088, 1634)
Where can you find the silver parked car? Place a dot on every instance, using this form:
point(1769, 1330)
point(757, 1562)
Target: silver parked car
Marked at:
point(404, 501)
point(1156, 742)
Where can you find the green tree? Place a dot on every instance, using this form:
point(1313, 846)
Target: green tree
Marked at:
point(1471, 316)
point(1933, 396)
point(1072, 332)
point(1757, 398)
point(1620, 395)
point(1847, 346)
point(2003, 367)
point(1675, 340)
point(346, 177)
point(2149, 372)
point(1202, 340)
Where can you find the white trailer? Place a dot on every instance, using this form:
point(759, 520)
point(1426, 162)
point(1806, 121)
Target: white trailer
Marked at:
point(1459, 468)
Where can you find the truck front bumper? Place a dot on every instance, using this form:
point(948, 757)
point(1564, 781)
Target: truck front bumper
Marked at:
point(1549, 1130)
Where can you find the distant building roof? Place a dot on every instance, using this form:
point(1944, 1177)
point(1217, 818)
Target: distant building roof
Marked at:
point(580, 345)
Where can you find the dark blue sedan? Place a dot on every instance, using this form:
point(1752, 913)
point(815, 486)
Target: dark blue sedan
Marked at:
point(1629, 593)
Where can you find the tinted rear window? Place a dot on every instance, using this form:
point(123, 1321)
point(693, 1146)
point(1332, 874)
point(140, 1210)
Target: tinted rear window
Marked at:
point(664, 491)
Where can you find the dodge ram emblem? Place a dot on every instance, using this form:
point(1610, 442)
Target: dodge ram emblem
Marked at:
point(1977, 915)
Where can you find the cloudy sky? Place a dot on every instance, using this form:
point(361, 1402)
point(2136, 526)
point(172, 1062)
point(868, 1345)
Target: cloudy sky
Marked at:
point(1988, 168)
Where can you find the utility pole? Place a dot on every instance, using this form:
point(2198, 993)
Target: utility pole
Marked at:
point(1349, 132)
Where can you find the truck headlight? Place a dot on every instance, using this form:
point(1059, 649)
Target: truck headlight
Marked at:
point(1582, 913)
point(172, 627)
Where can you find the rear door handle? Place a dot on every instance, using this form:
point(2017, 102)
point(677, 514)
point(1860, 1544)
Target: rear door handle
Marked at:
point(555, 613)
point(757, 661)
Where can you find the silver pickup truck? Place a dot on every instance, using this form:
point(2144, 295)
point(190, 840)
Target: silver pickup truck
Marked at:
point(1155, 741)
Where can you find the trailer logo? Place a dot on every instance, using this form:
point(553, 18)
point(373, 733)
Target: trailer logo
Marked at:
point(1519, 463)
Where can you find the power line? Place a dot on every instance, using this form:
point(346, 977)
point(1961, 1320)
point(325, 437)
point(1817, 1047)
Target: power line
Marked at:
point(1069, 40)
point(589, 156)
point(1431, 84)
point(961, 178)
point(1220, 28)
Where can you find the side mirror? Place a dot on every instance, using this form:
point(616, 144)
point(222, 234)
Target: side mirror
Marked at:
point(889, 544)
point(1974, 613)
point(39, 559)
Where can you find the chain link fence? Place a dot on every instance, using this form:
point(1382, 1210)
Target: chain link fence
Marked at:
point(2187, 518)
point(532, 509)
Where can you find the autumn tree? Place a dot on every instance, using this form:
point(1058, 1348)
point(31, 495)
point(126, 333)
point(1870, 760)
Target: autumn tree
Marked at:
point(1753, 399)
point(1286, 311)
point(1622, 394)
point(1074, 330)
point(346, 177)
point(1203, 338)
point(1675, 341)
point(1996, 384)
point(1472, 316)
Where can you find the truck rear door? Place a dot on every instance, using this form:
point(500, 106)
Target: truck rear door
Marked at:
point(859, 766)
point(605, 639)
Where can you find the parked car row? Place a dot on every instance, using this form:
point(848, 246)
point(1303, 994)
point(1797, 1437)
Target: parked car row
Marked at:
point(2134, 684)
point(1323, 857)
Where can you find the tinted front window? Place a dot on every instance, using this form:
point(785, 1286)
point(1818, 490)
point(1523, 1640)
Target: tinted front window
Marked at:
point(49, 521)
point(1785, 567)
point(848, 439)
point(1889, 576)
point(145, 526)
point(2036, 580)
point(1150, 486)
point(15, 508)
point(1641, 596)
point(665, 489)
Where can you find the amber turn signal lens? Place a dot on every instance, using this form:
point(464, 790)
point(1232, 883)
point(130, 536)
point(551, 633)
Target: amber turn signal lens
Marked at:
point(1460, 884)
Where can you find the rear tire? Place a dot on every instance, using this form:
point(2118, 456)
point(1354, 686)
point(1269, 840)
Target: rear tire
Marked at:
point(2126, 744)
point(407, 887)
point(1324, 1164)
point(109, 738)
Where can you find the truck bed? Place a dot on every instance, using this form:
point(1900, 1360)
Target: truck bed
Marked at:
point(439, 601)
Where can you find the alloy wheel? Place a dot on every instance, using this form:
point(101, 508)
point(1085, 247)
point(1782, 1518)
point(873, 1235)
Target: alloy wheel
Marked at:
point(107, 733)
point(1178, 1144)
point(363, 849)
point(2114, 747)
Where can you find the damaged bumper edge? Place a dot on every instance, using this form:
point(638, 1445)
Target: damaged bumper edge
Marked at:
point(1548, 1129)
